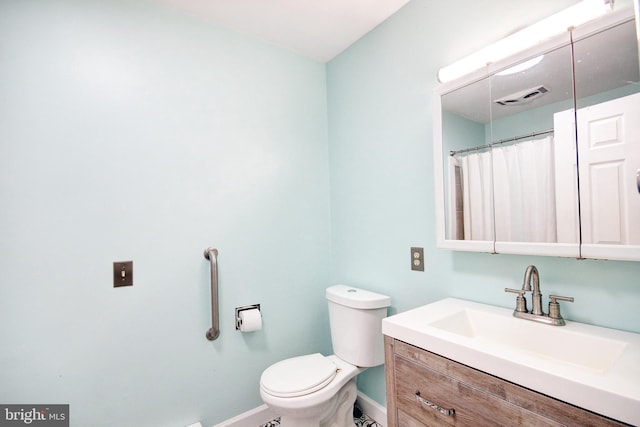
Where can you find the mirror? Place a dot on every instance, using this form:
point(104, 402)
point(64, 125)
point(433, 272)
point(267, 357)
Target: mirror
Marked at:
point(465, 121)
point(607, 120)
point(512, 155)
point(490, 126)
point(533, 155)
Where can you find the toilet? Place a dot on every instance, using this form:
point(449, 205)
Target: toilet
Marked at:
point(319, 391)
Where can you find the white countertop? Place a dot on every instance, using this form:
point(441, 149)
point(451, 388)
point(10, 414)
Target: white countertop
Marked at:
point(588, 366)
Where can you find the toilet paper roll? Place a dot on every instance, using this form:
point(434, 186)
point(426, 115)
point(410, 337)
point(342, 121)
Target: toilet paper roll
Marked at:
point(250, 320)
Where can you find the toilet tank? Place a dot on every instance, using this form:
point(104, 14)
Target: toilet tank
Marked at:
point(355, 317)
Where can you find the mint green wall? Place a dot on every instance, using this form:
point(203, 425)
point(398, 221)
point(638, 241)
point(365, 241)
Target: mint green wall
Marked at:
point(382, 198)
point(131, 132)
point(460, 132)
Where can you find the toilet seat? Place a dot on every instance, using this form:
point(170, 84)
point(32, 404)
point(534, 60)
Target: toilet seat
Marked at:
point(298, 376)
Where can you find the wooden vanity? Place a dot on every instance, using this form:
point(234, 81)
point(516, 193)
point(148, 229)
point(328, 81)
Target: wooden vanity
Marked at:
point(425, 389)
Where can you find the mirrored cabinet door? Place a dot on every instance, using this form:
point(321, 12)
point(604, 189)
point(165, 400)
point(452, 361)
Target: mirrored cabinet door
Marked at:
point(466, 118)
point(534, 156)
point(608, 129)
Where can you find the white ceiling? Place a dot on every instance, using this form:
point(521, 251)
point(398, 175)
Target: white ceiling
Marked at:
point(317, 29)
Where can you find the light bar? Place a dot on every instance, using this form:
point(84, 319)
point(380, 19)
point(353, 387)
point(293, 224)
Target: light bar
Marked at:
point(553, 25)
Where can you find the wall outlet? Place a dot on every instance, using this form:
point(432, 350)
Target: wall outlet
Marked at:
point(122, 273)
point(417, 259)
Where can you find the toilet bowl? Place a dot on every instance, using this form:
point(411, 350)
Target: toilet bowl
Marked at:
point(311, 391)
point(319, 391)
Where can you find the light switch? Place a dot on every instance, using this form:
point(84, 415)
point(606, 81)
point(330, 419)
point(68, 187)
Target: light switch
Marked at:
point(122, 273)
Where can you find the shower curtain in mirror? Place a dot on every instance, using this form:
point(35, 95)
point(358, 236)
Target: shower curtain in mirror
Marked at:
point(524, 191)
point(473, 208)
point(522, 177)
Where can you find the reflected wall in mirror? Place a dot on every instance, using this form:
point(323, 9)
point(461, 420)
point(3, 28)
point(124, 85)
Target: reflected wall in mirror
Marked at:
point(522, 161)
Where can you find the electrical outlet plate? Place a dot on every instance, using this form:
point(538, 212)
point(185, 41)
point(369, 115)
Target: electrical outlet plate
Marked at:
point(417, 259)
point(122, 273)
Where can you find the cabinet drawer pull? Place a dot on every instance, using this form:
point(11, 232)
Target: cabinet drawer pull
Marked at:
point(443, 411)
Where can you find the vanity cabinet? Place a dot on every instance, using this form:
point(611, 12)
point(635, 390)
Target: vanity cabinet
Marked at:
point(422, 386)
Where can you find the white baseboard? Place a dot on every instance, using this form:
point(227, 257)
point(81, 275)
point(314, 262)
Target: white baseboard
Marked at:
point(262, 414)
point(372, 409)
point(252, 418)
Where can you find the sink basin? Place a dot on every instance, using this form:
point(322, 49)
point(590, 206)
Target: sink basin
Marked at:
point(555, 343)
point(589, 366)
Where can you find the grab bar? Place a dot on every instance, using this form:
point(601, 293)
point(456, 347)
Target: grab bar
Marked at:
point(212, 255)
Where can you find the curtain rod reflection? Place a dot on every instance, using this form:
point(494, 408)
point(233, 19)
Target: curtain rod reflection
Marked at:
point(502, 141)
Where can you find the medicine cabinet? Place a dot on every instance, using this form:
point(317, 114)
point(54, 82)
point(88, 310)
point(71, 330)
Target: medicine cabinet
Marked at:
point(539, 154)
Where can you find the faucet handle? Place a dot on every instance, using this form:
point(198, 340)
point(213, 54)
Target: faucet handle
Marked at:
point(521, 301)
point(553, 298)
point(554, 306)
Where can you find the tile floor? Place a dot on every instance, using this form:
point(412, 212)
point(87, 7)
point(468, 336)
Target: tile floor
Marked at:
point(360, 419)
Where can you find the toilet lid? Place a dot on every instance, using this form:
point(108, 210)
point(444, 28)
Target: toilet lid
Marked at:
point(298, 376)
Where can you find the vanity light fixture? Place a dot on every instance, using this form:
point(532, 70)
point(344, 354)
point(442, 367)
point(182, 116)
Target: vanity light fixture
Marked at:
point(553, 25)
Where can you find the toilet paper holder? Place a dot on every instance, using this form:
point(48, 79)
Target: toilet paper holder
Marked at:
point(243, 308)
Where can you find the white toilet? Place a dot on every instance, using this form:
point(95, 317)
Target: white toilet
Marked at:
point(319, 391)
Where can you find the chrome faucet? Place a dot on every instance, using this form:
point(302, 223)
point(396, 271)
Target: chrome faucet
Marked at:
point(554, 317)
